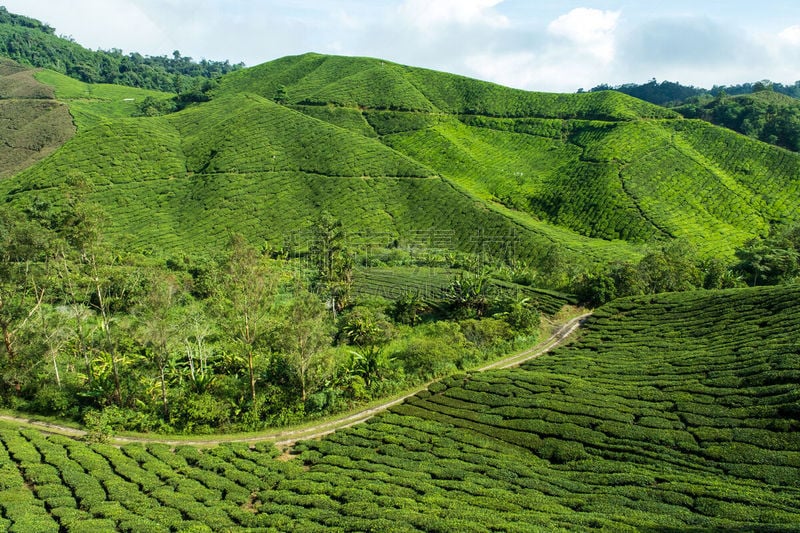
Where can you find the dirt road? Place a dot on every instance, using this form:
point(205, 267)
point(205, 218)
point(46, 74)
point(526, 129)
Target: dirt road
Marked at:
point(287, 437)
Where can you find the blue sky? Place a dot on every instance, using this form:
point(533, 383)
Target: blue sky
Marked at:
point(547, 45)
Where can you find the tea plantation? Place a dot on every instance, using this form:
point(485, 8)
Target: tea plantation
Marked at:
point(396, 150)
point(671, 412)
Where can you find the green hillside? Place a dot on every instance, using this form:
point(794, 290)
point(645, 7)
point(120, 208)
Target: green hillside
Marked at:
point(244, 163)
point(597, 163)
point(670, 413)
point(315, 79)
point(93, 103)
point(32, 123)
point(396, 150)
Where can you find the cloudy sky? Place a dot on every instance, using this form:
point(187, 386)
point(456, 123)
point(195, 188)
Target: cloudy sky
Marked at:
point(546, 45)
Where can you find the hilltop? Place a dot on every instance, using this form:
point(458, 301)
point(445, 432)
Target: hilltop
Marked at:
point(600, 174)
point(34, 43)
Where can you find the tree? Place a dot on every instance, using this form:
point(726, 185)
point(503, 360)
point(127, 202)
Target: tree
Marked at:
point(158, 326)
point(770, 260)
point(333, 262)
point(302, 336)
point(370, 331)
point(408, 308)
point(671, 268)
point(244, 300)
point(469, 295)
point(24, 246)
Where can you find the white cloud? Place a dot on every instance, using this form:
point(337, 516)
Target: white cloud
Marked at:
point(522, 43)
point(577, 48)
point(591, 31)
point(514, 69)
point(101, 23)
point(791, 35)
point(429, 15)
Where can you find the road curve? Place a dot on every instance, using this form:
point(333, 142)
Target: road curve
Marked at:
point(287, 438)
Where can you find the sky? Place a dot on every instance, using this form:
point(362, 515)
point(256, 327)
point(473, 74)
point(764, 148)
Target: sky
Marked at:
point(541, 45)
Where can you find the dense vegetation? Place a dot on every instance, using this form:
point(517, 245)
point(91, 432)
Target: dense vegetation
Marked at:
point(766, 111)
point(31, 42)
point(239, 340)
point(243, 249)
point(670, 412)
point(669, 93)
point(765, 115)
point(530, 165)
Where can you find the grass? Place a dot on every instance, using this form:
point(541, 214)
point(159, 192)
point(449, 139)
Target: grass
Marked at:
point(669, 412)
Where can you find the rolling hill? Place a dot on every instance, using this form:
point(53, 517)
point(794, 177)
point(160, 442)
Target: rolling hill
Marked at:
point(672, 412)
point(32, 123)
point(396, 150)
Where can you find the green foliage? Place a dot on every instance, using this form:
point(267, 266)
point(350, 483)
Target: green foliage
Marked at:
point(764, 115)
point(333, 262)
point(771, 260)
point(31, 42)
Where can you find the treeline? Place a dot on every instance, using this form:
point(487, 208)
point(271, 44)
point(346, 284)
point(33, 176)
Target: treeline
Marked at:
point(669, 93)
point(770, 260)
point(34, 43)
point(764, 115)
point(761, 110)
point(237, 341)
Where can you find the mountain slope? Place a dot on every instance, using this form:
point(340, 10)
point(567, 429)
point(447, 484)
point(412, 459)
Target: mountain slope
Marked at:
point(32, 123)
point(396, 150)
point(315, 79)
point(185, 181)
point(620, 176)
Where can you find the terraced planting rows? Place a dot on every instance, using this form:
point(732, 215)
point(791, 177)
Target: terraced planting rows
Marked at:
point(676, 411)
point(94, 103)
point(32, 123)
point(58, 484)
point(636, 181)
point(432, 285)
point(527, 166)
point(164, 184)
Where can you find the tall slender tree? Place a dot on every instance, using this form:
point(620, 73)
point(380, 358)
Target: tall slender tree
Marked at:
point(333, 262)
point(244, 301)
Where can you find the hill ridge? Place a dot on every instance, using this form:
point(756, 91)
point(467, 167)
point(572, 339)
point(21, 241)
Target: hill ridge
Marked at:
point(598, 188)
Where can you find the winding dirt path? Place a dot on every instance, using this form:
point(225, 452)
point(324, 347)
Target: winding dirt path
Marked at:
point(286, 438)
